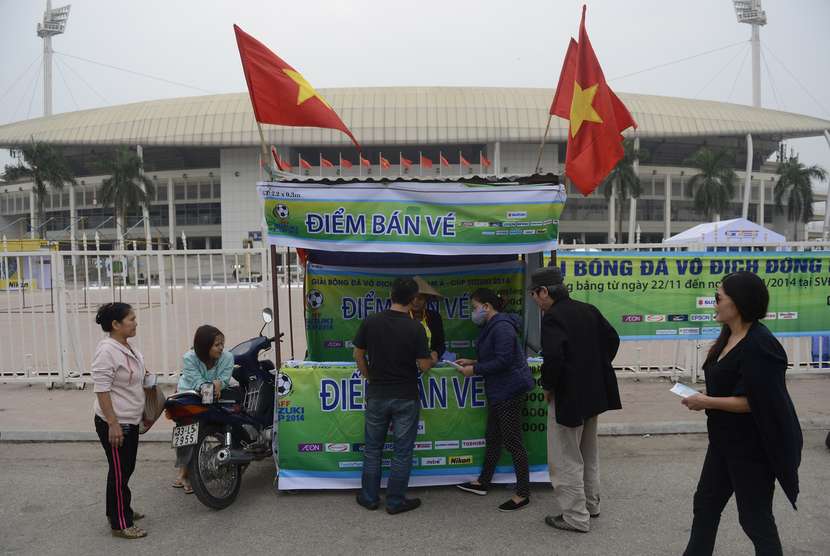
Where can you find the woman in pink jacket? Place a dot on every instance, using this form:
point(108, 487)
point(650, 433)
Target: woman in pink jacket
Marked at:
point(119, 375)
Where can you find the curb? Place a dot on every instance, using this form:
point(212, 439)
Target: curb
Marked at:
point(605, 429)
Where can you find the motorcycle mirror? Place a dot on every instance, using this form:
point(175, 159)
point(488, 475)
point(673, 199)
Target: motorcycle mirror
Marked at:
point(267, 315)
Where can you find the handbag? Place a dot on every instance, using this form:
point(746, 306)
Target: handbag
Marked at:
point(153, 408)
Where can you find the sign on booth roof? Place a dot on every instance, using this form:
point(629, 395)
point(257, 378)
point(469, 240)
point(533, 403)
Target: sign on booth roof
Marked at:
point(436, 218)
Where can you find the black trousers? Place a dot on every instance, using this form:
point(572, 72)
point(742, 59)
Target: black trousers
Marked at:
point(504, 429)
point(121, 465)
point(753, 483)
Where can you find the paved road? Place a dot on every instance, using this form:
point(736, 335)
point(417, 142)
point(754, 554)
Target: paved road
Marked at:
point(52, 503)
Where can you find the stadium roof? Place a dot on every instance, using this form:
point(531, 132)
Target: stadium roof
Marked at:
point(397, 116)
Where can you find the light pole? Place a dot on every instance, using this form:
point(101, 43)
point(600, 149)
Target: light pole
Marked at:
point(54, 23)
point(749, 11)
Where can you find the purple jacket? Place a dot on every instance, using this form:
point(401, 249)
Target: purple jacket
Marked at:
point(501, 359)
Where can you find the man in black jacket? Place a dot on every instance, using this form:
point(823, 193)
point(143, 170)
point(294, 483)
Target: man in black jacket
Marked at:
point(578, 346)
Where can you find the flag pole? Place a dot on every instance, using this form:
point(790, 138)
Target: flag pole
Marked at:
point(400, 164)
point(320, 163)
point(542, 145)
point(340, 164)
point(420, 164)
point(380, 165)
point(265, 154)
point(440, 169)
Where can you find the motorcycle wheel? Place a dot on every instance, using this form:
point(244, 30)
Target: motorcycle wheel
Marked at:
point(216, 486)
point(827, 441)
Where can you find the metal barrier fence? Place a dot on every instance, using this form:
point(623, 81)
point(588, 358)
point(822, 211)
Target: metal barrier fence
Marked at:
point(48, 302)
point(47, 317)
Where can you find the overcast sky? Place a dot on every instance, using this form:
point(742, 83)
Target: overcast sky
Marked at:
point(391, 43)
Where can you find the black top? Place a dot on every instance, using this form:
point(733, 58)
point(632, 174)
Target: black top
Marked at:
point(755, 368)
point(393, 341)
point(578, 346)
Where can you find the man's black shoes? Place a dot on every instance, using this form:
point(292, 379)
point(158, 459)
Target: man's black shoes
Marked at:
point(407, 505)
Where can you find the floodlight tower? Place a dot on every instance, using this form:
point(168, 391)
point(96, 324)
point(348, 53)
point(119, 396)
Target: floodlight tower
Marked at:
point(54, 23)
point(749, 11)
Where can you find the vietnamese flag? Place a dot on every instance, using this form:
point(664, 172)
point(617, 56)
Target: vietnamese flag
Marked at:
point(345, 163)
point(597, 117)
point(304, 164)
point(325, 163)
point(443, 160)
point(405, 162)
point(384, 163)
point(280, 94)
point(483, 160)
point(364, 162)
point(462, 160)
point(425, 162)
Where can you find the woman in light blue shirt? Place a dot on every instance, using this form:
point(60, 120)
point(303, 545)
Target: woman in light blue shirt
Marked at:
point(207, 362)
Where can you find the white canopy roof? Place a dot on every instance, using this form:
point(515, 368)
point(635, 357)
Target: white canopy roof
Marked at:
point(726, 232)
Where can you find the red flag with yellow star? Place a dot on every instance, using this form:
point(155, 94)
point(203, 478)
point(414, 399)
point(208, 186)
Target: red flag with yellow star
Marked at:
point(280, 94)
point(597, 117)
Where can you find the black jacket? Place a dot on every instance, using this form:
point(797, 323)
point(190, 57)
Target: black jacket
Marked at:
point(436, 329)
point(578, 346)
point(757, 370)
point(501, 360)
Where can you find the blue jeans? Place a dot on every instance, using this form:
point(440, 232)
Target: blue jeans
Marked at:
point(403, 414)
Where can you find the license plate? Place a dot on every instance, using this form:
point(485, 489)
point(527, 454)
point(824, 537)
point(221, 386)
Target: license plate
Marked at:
point(186, 435)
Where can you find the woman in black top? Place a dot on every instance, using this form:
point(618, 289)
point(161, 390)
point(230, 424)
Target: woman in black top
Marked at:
point(754, 434)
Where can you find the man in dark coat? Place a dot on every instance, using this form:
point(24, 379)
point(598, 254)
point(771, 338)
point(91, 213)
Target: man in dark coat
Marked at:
point(578, 346)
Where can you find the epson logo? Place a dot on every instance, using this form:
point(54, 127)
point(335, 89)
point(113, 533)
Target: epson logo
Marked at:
point(700, 317)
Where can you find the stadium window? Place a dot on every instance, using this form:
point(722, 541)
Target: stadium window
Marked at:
point(217, 189)
point(192, 191)
point(161, 192)
point(204, 190)
point(179, 191)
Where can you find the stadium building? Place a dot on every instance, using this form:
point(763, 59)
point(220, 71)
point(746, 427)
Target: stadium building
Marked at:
point(203, 153)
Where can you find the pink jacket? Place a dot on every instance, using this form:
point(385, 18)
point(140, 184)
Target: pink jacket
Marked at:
point(120, 371)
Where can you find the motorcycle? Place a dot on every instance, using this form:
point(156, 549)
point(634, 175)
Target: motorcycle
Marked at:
point(222, 437)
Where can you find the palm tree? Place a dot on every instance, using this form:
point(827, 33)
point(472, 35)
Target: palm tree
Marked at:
point(127, 189)
point(623, 182)
point(46, 167)
point(714, 185)
point(795, 182)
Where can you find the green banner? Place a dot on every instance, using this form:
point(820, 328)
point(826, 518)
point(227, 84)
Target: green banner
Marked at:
point(321, 430)
point(339, 298)
point(659, 295)
point(414, 217)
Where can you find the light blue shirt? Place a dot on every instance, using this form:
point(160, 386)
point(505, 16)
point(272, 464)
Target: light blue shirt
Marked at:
point(195, 372)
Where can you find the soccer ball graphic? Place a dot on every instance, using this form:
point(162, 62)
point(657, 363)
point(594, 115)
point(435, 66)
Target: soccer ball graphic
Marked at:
point(314, 299)
point(281, 211)
point(283, 384)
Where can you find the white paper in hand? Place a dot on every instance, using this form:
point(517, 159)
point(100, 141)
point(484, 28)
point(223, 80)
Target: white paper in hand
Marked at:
point(682, 390)
point(453, 364)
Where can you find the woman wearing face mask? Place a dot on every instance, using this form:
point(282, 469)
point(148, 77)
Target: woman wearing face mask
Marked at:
point(507, 380)
point(754, 434)
point(206, 363)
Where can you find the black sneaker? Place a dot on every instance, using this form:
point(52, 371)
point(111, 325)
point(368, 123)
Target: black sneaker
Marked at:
point(511, 506)
point(481, 490)
point(367, 505)
point(407, 505)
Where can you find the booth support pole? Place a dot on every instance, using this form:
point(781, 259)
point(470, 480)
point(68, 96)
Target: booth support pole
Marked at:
point(275, 299)
point(290, 313)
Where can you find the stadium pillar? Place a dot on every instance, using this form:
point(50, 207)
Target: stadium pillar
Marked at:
point(32, 214)
point(496, 158)
point(171, 213)
point(73, 220)
point(667, 209)
point(632, 203)
point(145, 210)
point(748, 178)
point(761, 201)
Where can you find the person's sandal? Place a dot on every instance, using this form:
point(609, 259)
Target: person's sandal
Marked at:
point(137, 515)
point(188, 488)
point(129, 533)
